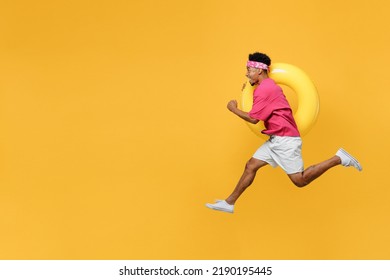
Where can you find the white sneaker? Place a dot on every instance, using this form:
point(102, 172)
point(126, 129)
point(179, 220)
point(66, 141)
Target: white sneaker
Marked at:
point(348, 160)
point(221, 205)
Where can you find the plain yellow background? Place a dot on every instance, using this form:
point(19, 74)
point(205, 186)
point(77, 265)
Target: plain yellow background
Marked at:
point(114, 130)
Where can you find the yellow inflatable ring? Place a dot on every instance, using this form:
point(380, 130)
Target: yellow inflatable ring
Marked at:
point(300, 83)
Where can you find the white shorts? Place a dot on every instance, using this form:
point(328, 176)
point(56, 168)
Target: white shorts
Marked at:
point(283, 151)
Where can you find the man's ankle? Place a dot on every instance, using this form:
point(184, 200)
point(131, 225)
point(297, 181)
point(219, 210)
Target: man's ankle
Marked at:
point(230, 201)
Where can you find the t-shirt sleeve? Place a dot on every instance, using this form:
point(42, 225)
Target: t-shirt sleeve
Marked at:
point(261, 109)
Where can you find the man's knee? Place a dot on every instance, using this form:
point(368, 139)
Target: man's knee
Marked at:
point(253, 165)
point(250, 167)
point(298, 180)
point(300, 184)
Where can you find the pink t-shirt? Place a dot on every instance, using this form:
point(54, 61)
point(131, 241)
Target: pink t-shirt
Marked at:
point(271, 106)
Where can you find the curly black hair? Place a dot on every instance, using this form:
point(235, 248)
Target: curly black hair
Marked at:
point(260, 57)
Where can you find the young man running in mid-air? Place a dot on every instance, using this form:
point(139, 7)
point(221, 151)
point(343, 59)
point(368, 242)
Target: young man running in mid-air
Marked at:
point(284, 145)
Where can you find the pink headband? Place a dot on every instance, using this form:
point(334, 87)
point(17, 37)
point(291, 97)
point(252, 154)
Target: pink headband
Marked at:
point(256, 64)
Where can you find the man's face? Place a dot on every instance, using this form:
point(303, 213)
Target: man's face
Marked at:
point(253, 75)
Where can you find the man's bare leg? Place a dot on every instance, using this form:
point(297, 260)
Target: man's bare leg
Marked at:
point(304, 178)
point(342, 157)
point(246, 179)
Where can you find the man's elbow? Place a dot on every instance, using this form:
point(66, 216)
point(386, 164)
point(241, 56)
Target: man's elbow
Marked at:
point(250, 119)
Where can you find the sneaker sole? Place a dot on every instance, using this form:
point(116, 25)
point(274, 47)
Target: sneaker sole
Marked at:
point(219, 209)
point(354, 160)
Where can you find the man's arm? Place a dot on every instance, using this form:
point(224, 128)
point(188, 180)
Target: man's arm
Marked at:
point(232, 106)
